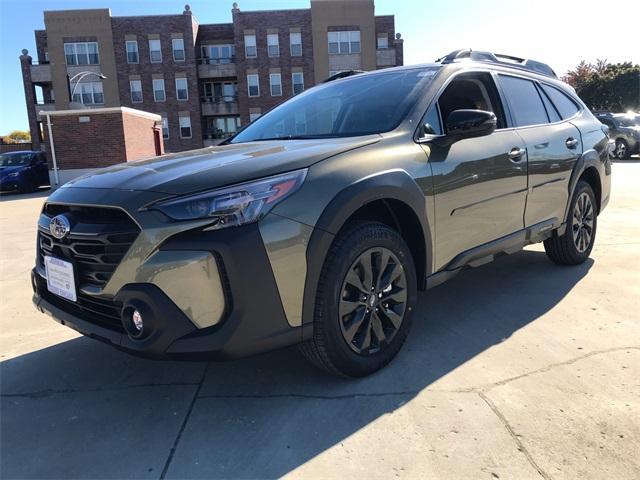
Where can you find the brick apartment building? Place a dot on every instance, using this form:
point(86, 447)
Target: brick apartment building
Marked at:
point(205, 81)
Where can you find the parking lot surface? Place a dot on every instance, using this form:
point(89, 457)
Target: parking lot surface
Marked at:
point(519, 369)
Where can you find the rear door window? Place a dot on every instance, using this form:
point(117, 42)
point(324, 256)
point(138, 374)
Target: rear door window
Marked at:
point(523, 97)
point(563, 103)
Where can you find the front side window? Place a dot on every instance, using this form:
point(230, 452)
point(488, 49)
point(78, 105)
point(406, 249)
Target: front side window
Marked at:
point(81, 53)
point(250, 50)
point(89, 93)
point(358, 105)
point(136, 91)
point(295, 40)
point(158, 90)
point(178, 49)
point(165, 128)
point(253, 85)
point(273, 45)
point(155, 52)
point(276, 84)
point(132, 51)
point(565, 106)
point(525, 102)
point(182, 91)
point(344, 42)
point(297, 79)
point(185, 126)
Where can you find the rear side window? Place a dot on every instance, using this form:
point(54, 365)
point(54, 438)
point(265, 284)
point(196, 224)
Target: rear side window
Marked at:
point(566, 107)
point(551, 110)
point(526, 105)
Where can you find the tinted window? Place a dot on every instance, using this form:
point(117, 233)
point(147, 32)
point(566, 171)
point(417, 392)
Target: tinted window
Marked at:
point(432, 118)
point(526, 104)
point(551, 110)
point(563, 103)
point(15, 159)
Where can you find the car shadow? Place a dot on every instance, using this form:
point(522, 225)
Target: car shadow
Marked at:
point(81, 409)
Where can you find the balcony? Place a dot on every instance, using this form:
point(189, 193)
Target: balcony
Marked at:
point(386, 57)
point(219, 106)
point(216, 67)
point(41, 73)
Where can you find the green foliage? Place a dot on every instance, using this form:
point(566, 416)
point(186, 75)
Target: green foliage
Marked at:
point(17, 136)
point(607, 86)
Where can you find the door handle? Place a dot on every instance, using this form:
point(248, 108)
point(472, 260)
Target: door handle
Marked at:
point(571, 142)
point(516, 154)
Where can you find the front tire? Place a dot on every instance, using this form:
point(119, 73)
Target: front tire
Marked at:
point(366, 294)
point(575, 245)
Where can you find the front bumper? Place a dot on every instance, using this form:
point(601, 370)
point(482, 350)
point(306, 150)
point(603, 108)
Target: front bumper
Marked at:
point(253, 320)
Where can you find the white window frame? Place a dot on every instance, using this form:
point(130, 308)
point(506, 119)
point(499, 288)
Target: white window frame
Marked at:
point(136, 51)
point(174, 49)
point(164, 91)
point(91, 89)
point(257, 77)
point(272, 84)
point(297, 35)
point(254, 116)
point(71, 49)
point(273, 41)
point(344, 40)
point(186, 89)
point(151, 50)
point(250, 41)
point(385, 38)
point(165, 126)
point(131, 90)
point(181, 126)
point(293, 82)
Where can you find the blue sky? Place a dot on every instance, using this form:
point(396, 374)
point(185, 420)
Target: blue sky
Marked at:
point(558, 32)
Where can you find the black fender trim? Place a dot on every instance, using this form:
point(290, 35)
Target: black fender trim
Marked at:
point(589, 158)
point(390, 185)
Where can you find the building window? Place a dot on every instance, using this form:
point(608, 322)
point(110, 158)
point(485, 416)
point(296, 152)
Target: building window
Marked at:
point(132, 51)
point(220, 91)
point(250, 50)
point(218, 54)
point(182, 89)
point(383, 41)
point(253, 85)
point(178, 49)
point(273, 45)
point(185, 126)
point(222, 127)
point(295, 40)
point(136, 91)
point(82, 53)
point(344, 42)
point(297, 79)
point(158, 90)
point(254, 116)
point(165, 128)
point(88, 93)
point(155, 52)
point(275, 81)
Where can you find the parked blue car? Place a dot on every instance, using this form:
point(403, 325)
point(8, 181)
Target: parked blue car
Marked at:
point(23, 171)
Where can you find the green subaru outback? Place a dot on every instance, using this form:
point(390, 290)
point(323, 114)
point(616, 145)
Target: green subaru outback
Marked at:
point(318, 223)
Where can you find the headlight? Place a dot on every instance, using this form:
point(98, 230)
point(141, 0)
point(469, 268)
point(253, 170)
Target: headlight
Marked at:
point(236, 205)
point(13, 175)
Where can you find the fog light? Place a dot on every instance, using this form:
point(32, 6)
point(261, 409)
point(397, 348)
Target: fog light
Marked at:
point(136, 318)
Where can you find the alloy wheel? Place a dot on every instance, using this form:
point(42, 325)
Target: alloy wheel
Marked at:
point(582, 224)
point(621, 150)
point(373, 301)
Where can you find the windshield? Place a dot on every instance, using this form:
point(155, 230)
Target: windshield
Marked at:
point(15, 159)
point(358, 105)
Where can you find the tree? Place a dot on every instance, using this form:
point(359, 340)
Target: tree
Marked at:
point(607, 86)
point(17, 136)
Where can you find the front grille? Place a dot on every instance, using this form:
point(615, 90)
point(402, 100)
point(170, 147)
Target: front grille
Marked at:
point(99, 239)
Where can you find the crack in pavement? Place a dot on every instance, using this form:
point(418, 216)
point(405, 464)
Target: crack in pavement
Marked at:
point(49, 392)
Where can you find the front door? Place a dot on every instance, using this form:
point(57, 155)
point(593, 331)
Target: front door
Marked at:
point(480, 184)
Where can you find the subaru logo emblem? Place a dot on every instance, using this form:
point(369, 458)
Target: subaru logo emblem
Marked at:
point(59, 226)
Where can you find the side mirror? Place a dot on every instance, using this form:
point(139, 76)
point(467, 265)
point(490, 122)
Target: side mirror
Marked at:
point(468, 124)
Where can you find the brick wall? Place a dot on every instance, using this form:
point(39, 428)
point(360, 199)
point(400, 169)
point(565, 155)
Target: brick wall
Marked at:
point(139, 137)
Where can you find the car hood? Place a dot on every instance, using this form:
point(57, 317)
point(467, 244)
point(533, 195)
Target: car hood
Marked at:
point(214, 167)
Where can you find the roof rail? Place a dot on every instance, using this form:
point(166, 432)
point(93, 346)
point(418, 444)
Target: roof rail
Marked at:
point(501, 59)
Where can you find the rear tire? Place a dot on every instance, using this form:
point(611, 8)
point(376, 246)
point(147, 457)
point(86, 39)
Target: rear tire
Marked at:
point(575, 245)
point(366, 294)
point(622, 150)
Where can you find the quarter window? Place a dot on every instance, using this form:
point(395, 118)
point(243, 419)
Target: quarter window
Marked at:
point(132, 51)
point(250, 50)
point(82, 53)
point(136, 91)
point(275, 81)
point(182, 91)
point(185, 126)
point(178, 49)
point(155, 52)
point(295, 40)
point(253, 85)
point(526, 104)
point(297, 78)
point(566, 107)
point(158, 90)
point(273, 45)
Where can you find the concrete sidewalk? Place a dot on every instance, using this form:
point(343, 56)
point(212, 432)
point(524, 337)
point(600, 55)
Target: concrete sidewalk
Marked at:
point(519, 369)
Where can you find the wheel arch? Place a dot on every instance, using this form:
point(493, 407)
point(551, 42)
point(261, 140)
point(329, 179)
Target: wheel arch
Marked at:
point(590, 168)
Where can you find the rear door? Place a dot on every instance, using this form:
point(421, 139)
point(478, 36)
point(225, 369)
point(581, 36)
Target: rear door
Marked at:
point(553, 147)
